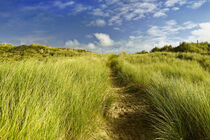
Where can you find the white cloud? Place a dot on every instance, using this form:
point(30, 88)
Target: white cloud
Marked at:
point(201, 34)
point(161, 13)
point(99, 12)
point(76, 7)
point(104, 39)
point(103, 43)
point(117, 11)
point(115, 20)
point(175, 8)
point(80, 8)
point(167, 34)
point(117, 29)
point(171, 28)
point(91, 46)
point(170, 3)
point(135, 37)
point(63, 5)
point(155, 36)
point(156, 31)
point(197, 4)
point(171, 22)
point(189, 25)
point(74, 44)
point(194, 4)
point(98, 22)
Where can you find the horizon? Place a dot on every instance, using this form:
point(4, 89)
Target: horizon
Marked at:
point(104, 25)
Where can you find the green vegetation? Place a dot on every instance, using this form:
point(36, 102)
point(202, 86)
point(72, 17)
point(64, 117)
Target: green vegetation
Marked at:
point(203, 47)
point(58, 93)
point(10, 52)
point(58, 99)
point(176, 90)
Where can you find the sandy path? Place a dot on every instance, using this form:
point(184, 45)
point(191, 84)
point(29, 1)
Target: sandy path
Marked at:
point(125, 120)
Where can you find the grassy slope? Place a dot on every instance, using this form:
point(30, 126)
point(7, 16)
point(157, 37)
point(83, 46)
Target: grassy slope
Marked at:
point(177, 91)
point(10, 52)
point(45, 97)
point(60, 98)
point(52, 100)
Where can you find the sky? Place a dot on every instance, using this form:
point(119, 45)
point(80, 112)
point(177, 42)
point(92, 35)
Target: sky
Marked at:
point(104, 25)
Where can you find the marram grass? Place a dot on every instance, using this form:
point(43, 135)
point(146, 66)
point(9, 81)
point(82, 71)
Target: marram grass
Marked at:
point(52, 100)
point(176, 90)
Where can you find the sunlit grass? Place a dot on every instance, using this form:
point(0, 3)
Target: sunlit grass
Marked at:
point(177, 92)
point(57, 99)
point(62, 94)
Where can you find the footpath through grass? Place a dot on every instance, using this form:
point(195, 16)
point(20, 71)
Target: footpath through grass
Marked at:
point(50, 93)
point(176, 90)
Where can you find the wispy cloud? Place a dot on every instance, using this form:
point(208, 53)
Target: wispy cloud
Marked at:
point(155, 36)
point(98, 22)
point(131, 11)
point(197, 4)
point(99, 12)
point(175, 8)
point(77, 45)
point(116, 11)
point(170, 28)
point(170, 3)
point(63, 4)
point(80, 8)
point(161, 12)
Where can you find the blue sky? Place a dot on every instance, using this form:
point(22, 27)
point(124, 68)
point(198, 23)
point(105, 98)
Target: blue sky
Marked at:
point(104, 25)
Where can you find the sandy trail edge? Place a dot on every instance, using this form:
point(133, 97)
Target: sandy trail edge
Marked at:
point(125, 120)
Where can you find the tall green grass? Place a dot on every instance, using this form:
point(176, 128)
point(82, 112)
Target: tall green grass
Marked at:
point(203, 60)
point(57, 99)
point(177, 92)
